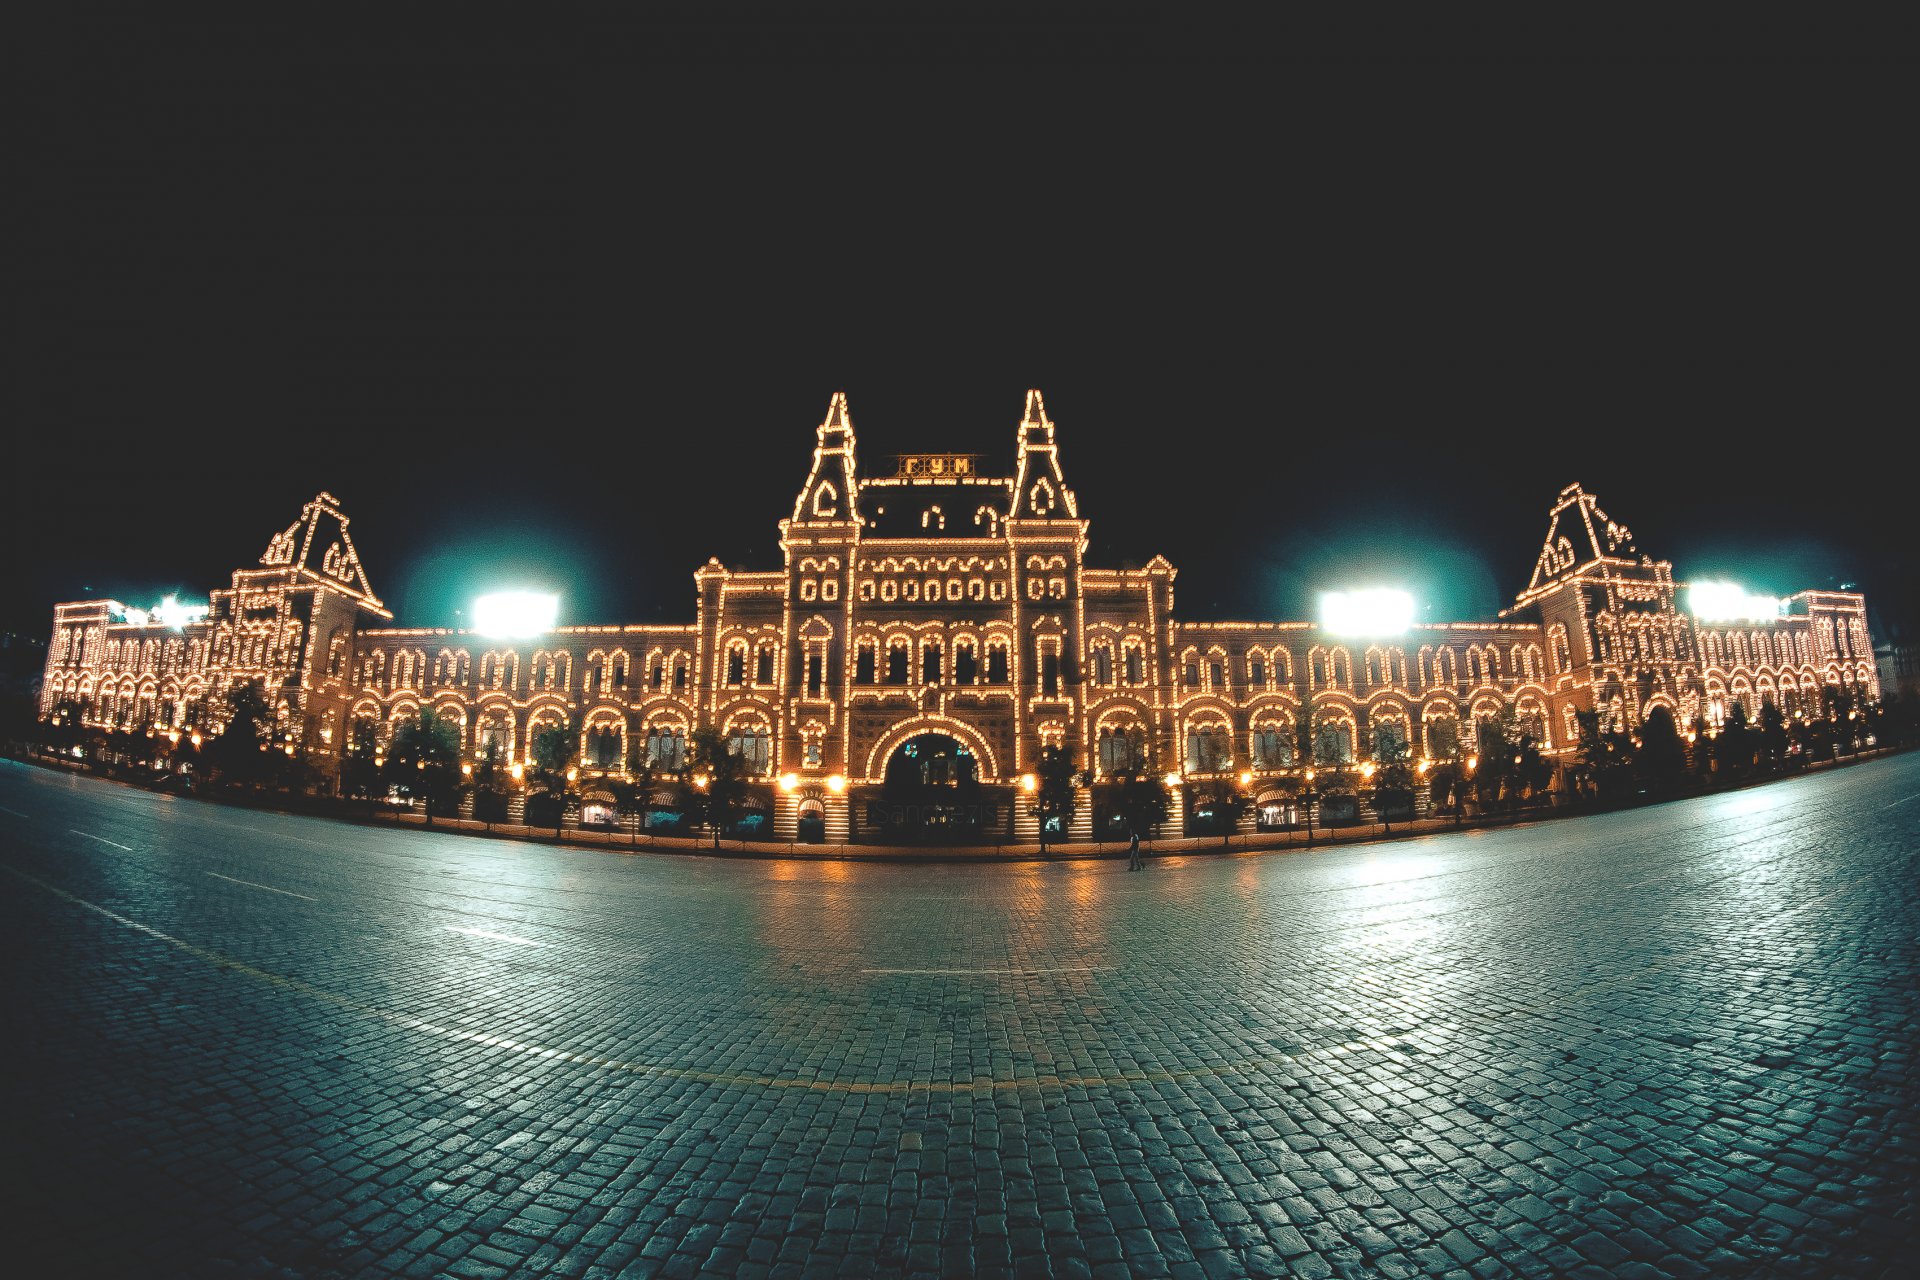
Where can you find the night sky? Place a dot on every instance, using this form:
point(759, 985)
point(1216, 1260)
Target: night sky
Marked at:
point(563, 305)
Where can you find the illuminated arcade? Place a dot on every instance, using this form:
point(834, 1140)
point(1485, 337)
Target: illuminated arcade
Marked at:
point(935, 625)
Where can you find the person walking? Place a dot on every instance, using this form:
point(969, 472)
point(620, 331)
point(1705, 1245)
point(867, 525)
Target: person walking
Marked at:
point(1134, 861)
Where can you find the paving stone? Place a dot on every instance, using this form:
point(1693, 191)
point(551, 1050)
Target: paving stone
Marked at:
point(1677, 1041)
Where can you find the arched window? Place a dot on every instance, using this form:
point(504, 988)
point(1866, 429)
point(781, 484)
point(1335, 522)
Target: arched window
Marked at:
point(965, 667)
point(1103, 665)
point(1209, 749)
point(1272, 746)
point(754, 745)
point(666, 747)
point(997, 663)
point(1122, 750)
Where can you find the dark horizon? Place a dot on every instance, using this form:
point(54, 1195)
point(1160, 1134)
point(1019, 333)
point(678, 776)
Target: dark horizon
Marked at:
point(566, 304)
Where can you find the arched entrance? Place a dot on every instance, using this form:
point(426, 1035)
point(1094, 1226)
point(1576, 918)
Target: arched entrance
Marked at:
point(931, 791)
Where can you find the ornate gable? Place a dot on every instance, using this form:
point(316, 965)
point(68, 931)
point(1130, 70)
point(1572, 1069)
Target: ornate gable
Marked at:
point(318, 543)
point(1578, 534)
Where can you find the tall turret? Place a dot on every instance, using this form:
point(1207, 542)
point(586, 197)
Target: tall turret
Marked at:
point(830, 491)
point(1039, 492)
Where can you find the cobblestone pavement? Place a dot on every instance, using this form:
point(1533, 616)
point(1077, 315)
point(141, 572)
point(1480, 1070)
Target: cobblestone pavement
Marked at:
point(1674, 1041)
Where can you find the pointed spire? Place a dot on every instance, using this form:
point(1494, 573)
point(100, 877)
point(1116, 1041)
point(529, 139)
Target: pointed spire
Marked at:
point(1036, 414)
point(839, 417)
point(831, 487)
point(1039, 492)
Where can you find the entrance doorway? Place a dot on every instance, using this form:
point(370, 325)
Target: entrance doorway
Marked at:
point(931, 792)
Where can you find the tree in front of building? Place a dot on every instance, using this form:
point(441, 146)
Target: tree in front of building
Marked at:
point(1496, 778)
point(1662, 759)
point(359, 767)
point(1446, 782)
point(553, 753)
point(650, 774)
point(1606, 754)
point(719, 780)
point(425, 762)
point(1733, 750)
point(490, 780)
point(240, 753)
point(1392, 773)
point(1053, 792)
point(1144, 801)
point(1773, 735)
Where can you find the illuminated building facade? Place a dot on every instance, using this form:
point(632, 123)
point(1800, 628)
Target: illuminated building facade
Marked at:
point(933, 628)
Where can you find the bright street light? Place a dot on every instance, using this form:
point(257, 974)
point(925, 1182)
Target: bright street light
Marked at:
point(1376, 611)
point(515, 615)
point(1730, 602)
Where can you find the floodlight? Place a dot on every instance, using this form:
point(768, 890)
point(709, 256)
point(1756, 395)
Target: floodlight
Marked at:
point(171, 613)
point(1376, 611)
point(1730, 602)
point(515, 615)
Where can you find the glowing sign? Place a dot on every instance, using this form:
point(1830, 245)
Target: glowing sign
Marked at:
point(515, 615)
point(1377, 611)
point(1728, 602)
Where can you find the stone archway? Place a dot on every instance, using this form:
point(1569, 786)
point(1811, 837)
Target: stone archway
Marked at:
point(931, 791)
point(988, 769)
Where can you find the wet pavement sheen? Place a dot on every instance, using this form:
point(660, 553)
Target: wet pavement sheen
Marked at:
point(1672, 1041)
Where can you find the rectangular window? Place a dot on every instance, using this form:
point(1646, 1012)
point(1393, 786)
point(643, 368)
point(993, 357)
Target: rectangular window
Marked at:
point(679, 675)
point(1219, 674)
point(763, 666)
point(1049, 674)
point(1103, 666)
point(897, 665)
point(1193, 675)
point(737, 667)
point(963, 664)
point(863, 664)
point(1257, 674)
point(815, 676)
point(930, 664)
point(1135, 674)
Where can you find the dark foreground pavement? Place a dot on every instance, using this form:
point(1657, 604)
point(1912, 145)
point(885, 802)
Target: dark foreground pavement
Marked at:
point(1678, 1040)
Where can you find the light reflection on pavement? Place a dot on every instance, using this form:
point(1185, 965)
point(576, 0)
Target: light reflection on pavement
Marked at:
point(1677, 1040)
